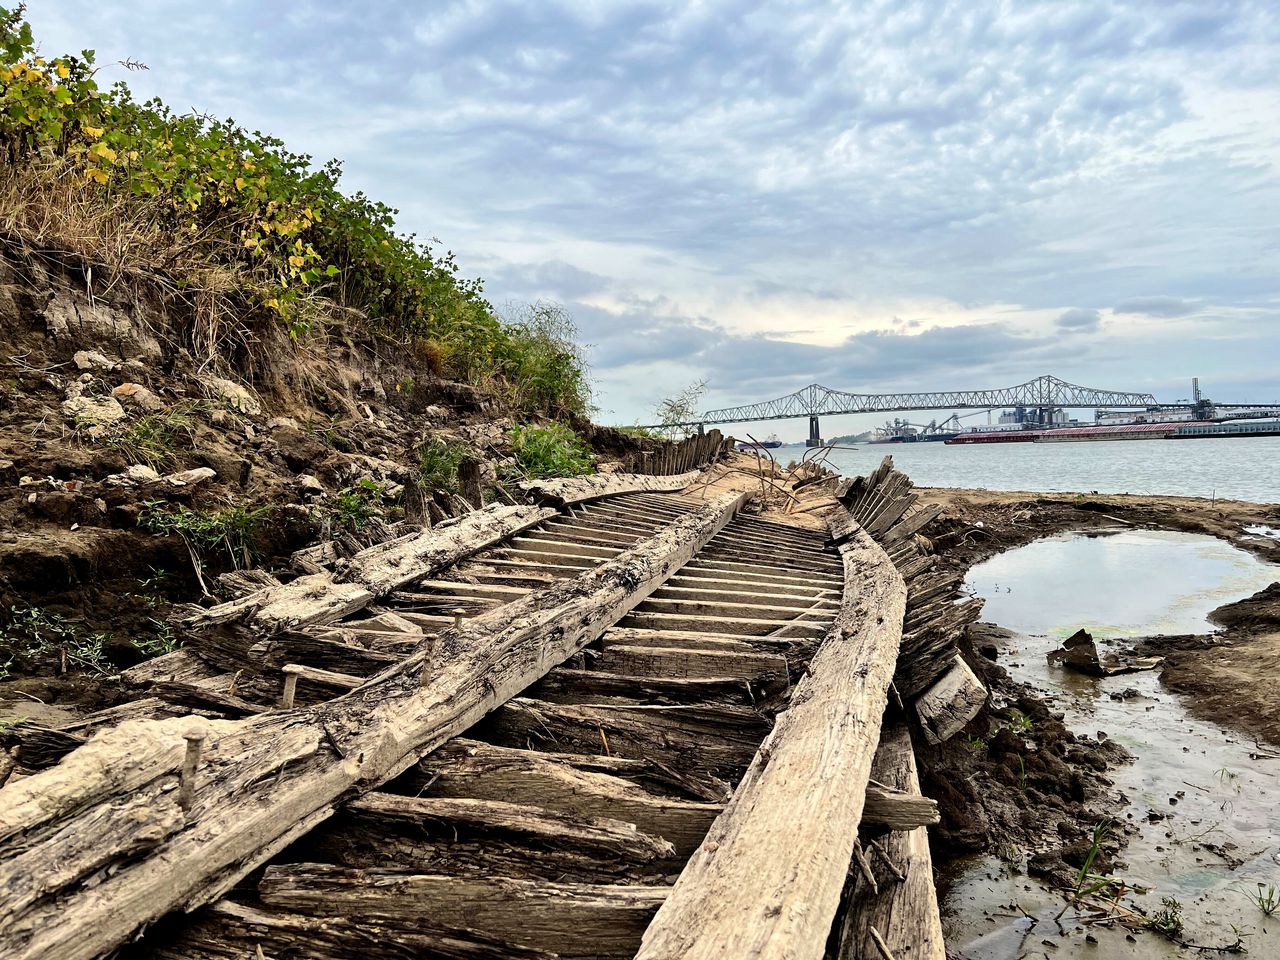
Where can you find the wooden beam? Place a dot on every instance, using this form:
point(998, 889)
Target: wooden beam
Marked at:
point(236, 931)
point(571, 920)
point(953, 700)
point(767, 879)
point(473, 836)
point(581, 489)
point(559, 782)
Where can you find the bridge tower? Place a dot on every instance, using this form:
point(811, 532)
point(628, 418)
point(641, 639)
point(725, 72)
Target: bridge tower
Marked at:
point(815, 432)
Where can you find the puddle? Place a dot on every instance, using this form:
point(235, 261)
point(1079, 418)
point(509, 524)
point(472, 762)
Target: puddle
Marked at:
point(1261, 530)
point(1193, 784)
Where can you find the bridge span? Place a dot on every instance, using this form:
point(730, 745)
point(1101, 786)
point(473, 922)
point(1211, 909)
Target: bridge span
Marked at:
point(1045, 393)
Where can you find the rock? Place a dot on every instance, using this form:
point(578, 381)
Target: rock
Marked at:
point(309, 485)
point(1080, 653)
point(299, 449)
point(236, 396)
point(70, 318)
point(282, 423)
point(134, 476)
point(95, 414)
point(189, 478)
point(92, 360)
point(136, 396)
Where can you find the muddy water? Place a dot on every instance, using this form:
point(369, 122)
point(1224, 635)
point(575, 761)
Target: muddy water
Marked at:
point(1202, 801)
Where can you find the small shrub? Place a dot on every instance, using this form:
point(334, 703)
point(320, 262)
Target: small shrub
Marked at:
point(438, 460)
point(160, 641)
point(550, 451)
point(1168, 919)
point(33, 633)
point(234, 529)
point(355, 506)
point(542, 365)
point(1266, 898)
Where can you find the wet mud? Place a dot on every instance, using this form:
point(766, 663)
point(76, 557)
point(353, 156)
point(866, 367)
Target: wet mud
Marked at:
point(1175, 777)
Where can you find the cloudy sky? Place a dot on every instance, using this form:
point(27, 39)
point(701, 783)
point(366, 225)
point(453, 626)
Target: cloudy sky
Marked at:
point(873, 196)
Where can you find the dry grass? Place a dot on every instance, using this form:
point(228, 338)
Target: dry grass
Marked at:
point(128, 251)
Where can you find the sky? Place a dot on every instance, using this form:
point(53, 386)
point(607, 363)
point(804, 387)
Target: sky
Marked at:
point(874, 196)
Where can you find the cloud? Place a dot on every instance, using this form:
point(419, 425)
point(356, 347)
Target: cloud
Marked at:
point(1078, 318)
point(683, 176)
point(1155, 306)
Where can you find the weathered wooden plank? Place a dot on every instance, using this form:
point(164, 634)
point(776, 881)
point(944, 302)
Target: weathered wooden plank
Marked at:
point(569, 919)
point(263, 782)
point(802, 625)
point(685, 664)
point(564, 783)
point(947, 706)
point(580, 489)
point(696, 739)
point(472, 836)
point(905, 913)
point(583, 687)
point(767, 879)
point(236, 931)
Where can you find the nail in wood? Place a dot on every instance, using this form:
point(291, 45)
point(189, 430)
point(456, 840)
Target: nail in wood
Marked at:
point(190, 763)
point(291, 671)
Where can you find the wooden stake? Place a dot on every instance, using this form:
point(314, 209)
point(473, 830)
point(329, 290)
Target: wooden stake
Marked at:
point(864, 866)
point(881, 946)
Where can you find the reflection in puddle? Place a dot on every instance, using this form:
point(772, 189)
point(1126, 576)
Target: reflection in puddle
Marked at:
point(1200, 797)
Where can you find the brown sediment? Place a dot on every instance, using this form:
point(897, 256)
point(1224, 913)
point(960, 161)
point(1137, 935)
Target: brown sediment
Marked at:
point(1229, 677)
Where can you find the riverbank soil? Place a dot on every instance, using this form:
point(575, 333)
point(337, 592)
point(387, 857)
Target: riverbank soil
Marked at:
point(1230, 677)
point(1017, 780)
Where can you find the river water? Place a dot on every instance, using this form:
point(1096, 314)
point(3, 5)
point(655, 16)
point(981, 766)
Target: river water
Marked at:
point(1201, 797)
point(1236, 469)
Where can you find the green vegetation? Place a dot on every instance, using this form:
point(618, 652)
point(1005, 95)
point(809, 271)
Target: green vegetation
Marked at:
point(152, 439)
point(355, 506)
point(545, 369)
point(1266, 898)
point(160, 641)
point(1168, 919)
point(1088, 882)
point(438, 461)
point(679, 409)
point(33, 633)
point(550, 451)
point(234, 529)
point(641, 433)
point(1019, 722)
point(248, 230)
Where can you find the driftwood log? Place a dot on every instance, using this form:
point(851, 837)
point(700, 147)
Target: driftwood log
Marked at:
point(158, 816)
point(767, 879)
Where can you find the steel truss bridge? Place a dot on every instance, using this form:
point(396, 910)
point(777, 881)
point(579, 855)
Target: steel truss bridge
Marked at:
point(1043, 393)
